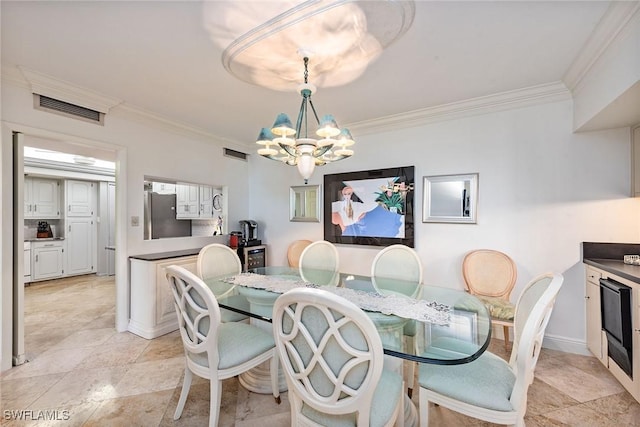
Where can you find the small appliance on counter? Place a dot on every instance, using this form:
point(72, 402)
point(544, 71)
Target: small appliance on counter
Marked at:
point(249, 233)
point(44, 230)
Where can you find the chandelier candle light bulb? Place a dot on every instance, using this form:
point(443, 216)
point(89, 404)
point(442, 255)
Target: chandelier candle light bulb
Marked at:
point(297, 148)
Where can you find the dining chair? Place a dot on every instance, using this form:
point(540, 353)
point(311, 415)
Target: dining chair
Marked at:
point(319, 264)
point(491, 276)
point(215, 260)
point(215, 350)
point(295, 250)
point(490, 388)
point(397, 270)
point(332, 359)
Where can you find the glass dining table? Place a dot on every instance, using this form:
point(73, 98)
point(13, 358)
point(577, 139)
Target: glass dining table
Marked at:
point(416, 322)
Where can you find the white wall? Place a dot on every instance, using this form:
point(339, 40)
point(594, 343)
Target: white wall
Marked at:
point(142, 150)
point(542, 191)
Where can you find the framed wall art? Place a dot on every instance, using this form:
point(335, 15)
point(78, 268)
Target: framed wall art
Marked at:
point(373, 207)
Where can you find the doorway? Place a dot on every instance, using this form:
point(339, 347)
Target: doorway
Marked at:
point(71, 145)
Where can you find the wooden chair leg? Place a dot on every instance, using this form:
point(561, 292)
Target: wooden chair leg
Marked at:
point(506, 337)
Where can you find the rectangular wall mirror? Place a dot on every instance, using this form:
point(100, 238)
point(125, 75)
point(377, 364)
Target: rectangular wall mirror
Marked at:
point(450, 198)
point(304, 203)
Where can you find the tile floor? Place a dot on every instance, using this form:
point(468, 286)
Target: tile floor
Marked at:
point(84, 373)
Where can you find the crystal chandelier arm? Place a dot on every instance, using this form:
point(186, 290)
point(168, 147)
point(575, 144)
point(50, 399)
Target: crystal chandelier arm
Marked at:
point(314, 111)
point(301, 115)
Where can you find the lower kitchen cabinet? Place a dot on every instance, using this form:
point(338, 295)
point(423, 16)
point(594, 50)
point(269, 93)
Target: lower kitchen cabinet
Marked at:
point(48, 260)
point(81, 248)
point(152, 308)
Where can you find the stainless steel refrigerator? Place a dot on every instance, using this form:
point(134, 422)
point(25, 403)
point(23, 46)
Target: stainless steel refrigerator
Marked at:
point(160, 217)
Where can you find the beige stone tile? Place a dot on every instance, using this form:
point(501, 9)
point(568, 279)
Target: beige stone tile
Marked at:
point(19, 393)
point(82, 386)
point(49, 362)
point(255, 405)
point(125, 337)
point(113, 355)
point(69, 416)
point(574, 382)
point(151, 376)
point(86, 338)
point(164, 347)
point(579, 415)
point(196, 408)
point(621, 407)
point(141, 410)
point(543, 398)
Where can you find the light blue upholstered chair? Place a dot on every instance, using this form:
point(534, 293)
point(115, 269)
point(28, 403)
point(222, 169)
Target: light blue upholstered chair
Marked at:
point(319, 264)
point(397, 270)
point(489, 388)
point(332, 358)
point(215, 350)
point(217, 260)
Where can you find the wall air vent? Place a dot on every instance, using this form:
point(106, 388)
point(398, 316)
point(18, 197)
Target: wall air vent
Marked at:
point(68, 110)
point(235, 154)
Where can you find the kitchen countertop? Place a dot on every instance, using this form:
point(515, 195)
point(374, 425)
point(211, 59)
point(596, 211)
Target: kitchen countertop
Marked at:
point(609, 257)
point(43, 239)
point(166, 255)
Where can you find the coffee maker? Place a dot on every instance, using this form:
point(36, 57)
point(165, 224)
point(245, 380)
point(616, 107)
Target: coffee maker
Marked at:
point(249, 233)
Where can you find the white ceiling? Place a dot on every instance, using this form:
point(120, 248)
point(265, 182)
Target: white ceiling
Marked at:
point(156, 56)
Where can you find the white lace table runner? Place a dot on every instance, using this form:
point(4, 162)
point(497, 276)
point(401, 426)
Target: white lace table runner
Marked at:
point(408, 308)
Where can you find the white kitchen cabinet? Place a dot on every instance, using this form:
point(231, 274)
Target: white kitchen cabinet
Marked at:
point(81, 247)
point(80, 198)
point(187, 201)
point(206, 201)
point(594, 328)
point(152, 311)
point(48, 260)
point(41, 198)
point(595, 335)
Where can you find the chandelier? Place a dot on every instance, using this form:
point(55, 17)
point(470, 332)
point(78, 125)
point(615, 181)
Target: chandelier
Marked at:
point(295, 147)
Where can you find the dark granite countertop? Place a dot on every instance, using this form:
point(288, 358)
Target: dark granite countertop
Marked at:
point(609, 257)
point(166, 255)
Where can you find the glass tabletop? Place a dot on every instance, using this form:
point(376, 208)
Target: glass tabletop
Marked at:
point(424, 323)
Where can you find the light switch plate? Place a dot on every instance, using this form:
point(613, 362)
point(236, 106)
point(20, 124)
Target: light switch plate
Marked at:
point(135, 221)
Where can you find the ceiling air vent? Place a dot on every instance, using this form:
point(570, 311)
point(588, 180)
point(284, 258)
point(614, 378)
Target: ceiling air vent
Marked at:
point(69, 110)
point(235, 154)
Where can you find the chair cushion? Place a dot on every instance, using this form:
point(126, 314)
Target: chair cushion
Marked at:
point(237, 343)
point(385, 400)
point(486, 382)
point(499, 308)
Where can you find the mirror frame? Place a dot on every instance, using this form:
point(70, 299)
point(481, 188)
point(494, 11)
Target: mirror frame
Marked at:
point(304, 190)
point(471, 204)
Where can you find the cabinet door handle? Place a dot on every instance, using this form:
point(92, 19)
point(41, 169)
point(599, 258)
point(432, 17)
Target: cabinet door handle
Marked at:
point(35, 208)
point(36, 258)
point(69, 208)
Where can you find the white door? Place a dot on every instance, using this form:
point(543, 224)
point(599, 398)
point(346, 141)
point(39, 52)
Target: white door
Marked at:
point(47, 263)
point(80, 245)
point(46, 198)
point(80, 197)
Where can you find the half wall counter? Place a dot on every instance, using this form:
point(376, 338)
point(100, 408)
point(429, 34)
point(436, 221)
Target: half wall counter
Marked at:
point(152, 309)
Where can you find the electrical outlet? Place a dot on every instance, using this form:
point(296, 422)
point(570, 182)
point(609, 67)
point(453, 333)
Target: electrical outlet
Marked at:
point(135, 221)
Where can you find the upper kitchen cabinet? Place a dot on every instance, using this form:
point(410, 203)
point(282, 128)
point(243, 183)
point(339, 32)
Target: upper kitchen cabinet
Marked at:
point(41, 198)
point(187, 201)
point(80, 197)
point(206, 201)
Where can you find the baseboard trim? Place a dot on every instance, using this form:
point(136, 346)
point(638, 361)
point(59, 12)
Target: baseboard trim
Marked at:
point(567, 345)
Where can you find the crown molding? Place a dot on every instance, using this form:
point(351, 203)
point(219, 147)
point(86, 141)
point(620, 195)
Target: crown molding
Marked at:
point(610, 27)
point(52, 87)
point(540, 94)
point(16, 76)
